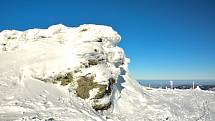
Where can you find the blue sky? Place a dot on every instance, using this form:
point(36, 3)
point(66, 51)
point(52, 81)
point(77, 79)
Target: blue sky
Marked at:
point(165, 39)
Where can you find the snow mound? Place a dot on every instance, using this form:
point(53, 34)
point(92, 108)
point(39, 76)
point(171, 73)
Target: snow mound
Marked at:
point(79, 73)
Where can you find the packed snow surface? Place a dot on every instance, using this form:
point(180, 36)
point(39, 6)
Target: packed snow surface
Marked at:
point(28, 57)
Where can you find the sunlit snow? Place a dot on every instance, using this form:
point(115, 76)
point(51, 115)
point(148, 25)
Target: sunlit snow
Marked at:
point(31, 55)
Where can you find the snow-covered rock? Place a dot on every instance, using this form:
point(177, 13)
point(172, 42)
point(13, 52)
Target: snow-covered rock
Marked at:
point(85, 58)
point(72, 73)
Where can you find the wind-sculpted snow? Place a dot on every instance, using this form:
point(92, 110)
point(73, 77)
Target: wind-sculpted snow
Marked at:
point(78, 74)
point(86, 59)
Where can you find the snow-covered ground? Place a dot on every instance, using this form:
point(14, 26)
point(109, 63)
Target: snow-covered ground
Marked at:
point(26, 58)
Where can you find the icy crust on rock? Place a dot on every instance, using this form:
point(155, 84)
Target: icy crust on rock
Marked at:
point(73, 46)
point(88, 54)
point(72, 73)
point(12, 39)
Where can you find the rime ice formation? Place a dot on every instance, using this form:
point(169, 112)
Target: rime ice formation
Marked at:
point(85, 59)
point(65, 73)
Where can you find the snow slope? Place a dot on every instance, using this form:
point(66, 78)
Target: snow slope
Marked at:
point(29, 57)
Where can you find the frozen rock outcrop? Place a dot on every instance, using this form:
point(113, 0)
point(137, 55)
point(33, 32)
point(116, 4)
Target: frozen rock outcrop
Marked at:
point(84, 59)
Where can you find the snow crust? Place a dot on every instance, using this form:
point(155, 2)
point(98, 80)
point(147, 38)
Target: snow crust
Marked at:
point(29, 56)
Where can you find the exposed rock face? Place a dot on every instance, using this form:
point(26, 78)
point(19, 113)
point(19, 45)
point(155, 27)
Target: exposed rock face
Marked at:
point(86, 59)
